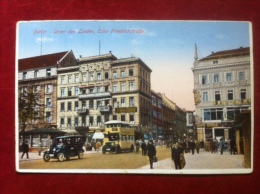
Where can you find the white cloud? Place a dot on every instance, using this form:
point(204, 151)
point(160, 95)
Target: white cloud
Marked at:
point(221, 37)
point(44, 39)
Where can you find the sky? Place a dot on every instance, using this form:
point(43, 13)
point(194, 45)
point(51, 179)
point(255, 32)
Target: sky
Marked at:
point(167, 47)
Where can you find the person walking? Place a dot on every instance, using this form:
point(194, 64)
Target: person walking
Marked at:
point(202, 145)
point(39, 146)
point(221, 146)
point(192, 146)
point(98, 145)
point(144, 148)
point(215, 145)
point(137, 146)
point(232, 146)
point(151, 152)
point(197, 145)
point(25, 148)
point(176, 155)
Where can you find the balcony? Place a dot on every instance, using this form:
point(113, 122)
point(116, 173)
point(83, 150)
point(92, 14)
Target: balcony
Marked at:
point(104, 109)
point(94, 95)
point(82, 111)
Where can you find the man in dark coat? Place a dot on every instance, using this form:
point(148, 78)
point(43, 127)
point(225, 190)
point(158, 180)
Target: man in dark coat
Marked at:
point(143, 146)
point(176, 155)
point(232, 146)
point(25, 148)
point(151, 152)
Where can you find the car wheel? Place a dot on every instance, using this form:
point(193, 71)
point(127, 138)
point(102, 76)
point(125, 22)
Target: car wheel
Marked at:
point(46, 157)
point(61, 157)
point(80, 154)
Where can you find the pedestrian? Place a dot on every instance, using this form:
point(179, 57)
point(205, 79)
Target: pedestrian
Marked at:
point(151, 152)
point(232, 146)
point(98, 145)
point(25, 148)
point(197, 146)
point(192, 146)
point(221, 146)
point(211, 146)
point(176, 155)
point(202, 145)
point(144, 147)
point(39, 146)
point(215, 145)
point(137, 146)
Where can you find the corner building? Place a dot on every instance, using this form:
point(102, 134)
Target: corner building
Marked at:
point(104, 88)
point(222, 90)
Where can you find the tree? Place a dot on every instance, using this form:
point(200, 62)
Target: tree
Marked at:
point(30, 108)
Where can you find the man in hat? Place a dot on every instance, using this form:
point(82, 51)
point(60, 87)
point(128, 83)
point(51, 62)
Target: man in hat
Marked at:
point(176, 155)
point(151, 152)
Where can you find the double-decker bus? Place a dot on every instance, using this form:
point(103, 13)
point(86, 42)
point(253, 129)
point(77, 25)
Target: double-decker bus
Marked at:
point(119, 136)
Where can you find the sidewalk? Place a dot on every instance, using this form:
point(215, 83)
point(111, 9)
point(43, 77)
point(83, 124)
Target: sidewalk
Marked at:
point(204, 160)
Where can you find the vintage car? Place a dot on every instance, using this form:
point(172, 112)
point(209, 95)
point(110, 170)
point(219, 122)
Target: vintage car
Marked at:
point(65, 147)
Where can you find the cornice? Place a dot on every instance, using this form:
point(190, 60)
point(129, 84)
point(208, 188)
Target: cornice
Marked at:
point(220, 66)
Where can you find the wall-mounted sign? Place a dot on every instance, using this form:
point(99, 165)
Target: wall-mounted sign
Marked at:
point(126, 110)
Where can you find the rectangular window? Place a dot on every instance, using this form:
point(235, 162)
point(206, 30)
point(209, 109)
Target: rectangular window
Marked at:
point(84, 77)
point(36, 74)
point(216, 78)
point(83, 121)
point(62, 122)
point(213, 114)
point(48, 102)
point(132, 119)
point(62, 92)
point(204, 79)
point(70, 78)
point(48, 88)
point(106, 88)
point(99, 89)
point(106, 75)
point(83, 91)
point(91, 77)
point(83, 104)
point(24, 75)
point(76, 78)
point(99, 103)
point(122, 102)
point(48, 72)
point(230, 94)
point(76, 91)
point(91, 121)
point(131, 102)
point(69, 106)
point(91, 104)
point(99, 120)
point(69, 91)
point(114, 87)
point(229, 77)
point(123, 73)
point(99, 77)
point(243, 94)
point(48, 117)
point(241, 75)
point(205, 97)
point(114, 74)
point(122, 117)
point(76, 123)
point(69, 122)
point(91, 90)
point(217, 96)
point(76, 105)
point(62, 106)
point(62, 79)
point(122, 87)
point(131, 86)
point(131, 72)
point(114, 102)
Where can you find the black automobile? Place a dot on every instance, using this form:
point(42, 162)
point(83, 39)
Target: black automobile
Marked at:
point(65, 147)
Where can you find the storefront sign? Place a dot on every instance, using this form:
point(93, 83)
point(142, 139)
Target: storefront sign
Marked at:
point(126, 110)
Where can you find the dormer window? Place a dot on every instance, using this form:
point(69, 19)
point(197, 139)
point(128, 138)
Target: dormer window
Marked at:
point(48, 72)
point(215, 62)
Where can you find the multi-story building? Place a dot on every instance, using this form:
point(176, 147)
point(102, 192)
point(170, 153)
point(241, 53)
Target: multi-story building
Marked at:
point(104, 88)
point(222, 90)
point(157, 115)
point(190, 124)
point(40, 73)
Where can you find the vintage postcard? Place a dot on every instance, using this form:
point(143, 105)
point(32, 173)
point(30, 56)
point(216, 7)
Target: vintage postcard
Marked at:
point(140, 97)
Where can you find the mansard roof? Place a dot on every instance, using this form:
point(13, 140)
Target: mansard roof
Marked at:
point(40, 61)
point(228, 53)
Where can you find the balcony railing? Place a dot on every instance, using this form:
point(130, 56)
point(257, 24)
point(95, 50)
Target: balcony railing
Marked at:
point(95, 95)
point(104, 108)
point(83, 111)
point(232, 102)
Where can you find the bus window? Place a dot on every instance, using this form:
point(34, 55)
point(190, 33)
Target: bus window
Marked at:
point(113, 137)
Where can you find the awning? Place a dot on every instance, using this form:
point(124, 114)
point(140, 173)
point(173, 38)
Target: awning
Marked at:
point(98, 135)
point(89, 86)
point(43, 131)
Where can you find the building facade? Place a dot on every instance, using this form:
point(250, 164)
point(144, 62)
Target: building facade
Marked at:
point(104, 88)
point(157, 116)
point(222, 90)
